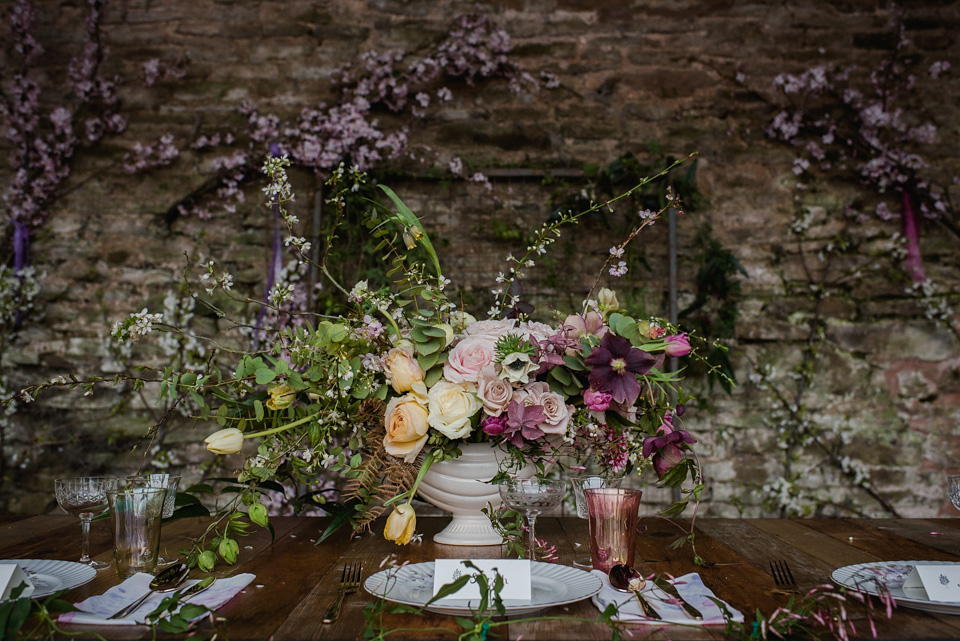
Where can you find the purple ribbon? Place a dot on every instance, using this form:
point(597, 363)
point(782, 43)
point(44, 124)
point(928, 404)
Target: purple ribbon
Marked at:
point(21, 258)
point(913, 261)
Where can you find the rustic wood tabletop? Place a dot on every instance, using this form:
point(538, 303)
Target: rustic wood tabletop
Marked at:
point(296, 580)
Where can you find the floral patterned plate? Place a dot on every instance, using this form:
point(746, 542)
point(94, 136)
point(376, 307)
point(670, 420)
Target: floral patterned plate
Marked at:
point(551, 585)
point(869, 577)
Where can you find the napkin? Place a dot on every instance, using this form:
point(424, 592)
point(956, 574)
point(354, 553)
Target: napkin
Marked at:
point(690, 587)
point(96, 609)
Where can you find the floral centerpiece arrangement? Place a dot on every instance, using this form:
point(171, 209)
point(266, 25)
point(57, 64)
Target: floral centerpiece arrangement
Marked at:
point(405, 377)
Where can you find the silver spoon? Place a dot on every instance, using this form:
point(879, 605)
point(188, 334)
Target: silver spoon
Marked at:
point(167, 580)
point(624, 578)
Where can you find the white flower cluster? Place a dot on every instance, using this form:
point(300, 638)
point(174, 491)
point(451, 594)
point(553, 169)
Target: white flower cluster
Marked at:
point(935, 300)
point(279, 189)
point(135, 326)
point(212, 281)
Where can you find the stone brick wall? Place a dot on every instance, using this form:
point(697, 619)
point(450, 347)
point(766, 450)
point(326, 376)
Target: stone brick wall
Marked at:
point(682, 77)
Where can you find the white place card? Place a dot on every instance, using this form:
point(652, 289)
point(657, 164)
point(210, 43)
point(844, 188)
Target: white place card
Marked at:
point(515, 573)
point(941, 582)
point(12, 575)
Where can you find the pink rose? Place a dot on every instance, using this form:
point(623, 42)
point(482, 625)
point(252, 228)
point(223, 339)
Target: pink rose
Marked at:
point(467, 359)
point(678, 345)
point(555, 411)
point(597, 401)
point(540, 331)
point(491, 330)
point(494, 392)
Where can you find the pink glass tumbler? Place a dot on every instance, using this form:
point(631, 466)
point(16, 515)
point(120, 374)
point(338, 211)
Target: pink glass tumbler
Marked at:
point(613, 516)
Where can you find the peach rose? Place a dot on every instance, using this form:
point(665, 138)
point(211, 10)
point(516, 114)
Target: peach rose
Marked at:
point(406, 423)
point(402, 368)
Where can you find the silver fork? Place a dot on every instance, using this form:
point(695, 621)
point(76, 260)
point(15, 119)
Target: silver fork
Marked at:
point(782, 575)
point(349, 583)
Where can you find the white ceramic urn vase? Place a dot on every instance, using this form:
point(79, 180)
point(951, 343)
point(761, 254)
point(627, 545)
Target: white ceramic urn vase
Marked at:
point(459, 486)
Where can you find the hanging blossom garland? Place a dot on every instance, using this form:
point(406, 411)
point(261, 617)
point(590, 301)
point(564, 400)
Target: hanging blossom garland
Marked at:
point(322, 137)
point(868, 128)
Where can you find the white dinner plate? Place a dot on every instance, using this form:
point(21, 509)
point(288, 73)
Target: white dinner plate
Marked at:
point(551, 585)
point(868, 577)
point(50, 576)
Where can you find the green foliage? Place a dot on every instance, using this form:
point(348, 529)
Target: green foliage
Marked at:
point(715, 308)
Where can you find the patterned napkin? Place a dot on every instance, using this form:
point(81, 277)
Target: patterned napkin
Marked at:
point(690, 587)
point(96, 609)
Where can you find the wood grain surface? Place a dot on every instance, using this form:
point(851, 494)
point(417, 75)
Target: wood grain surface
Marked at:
point(296, 579)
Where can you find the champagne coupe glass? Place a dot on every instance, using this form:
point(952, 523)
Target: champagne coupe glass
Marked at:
point(168, 482)
point(85, 497)
point(532, 496)
point(586, 481)
point(953, 489)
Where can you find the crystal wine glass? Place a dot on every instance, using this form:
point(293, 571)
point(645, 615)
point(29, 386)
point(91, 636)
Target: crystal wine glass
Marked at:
point(586, 481)
point(532, 496)
point(168, 482)
point(85, 497)
point(953, 489)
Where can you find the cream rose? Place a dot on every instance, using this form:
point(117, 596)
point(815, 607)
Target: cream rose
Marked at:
point(467, 358)
point(451, 407)
point(406, 423)
point(402, 368)
point(494, 392)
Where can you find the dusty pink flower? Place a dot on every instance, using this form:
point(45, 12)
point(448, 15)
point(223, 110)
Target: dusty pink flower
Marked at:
point(678, 345)
point(667, 447)
point(597, 401)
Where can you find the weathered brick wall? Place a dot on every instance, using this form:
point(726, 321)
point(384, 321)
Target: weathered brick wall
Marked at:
point(659, 73)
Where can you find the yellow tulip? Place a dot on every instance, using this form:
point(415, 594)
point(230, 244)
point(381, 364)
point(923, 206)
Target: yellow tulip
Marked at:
point(400, 524)
point(225, 441)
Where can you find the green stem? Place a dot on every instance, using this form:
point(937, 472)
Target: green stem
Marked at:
point(412, 492)
point(281, 428)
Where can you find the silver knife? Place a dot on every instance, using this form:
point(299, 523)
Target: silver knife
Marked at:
point(671, 590)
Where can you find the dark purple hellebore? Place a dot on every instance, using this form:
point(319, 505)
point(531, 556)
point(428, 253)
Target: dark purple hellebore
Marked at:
point(667, 446)
point(616, 365)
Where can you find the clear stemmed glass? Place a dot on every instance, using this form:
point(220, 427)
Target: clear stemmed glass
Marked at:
point(585, 481)
point(532, 496)
point(953, 489)
point(168, 482)
point(85, 497)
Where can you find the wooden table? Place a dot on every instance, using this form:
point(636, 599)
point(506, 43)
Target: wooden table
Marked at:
point(297, 580)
